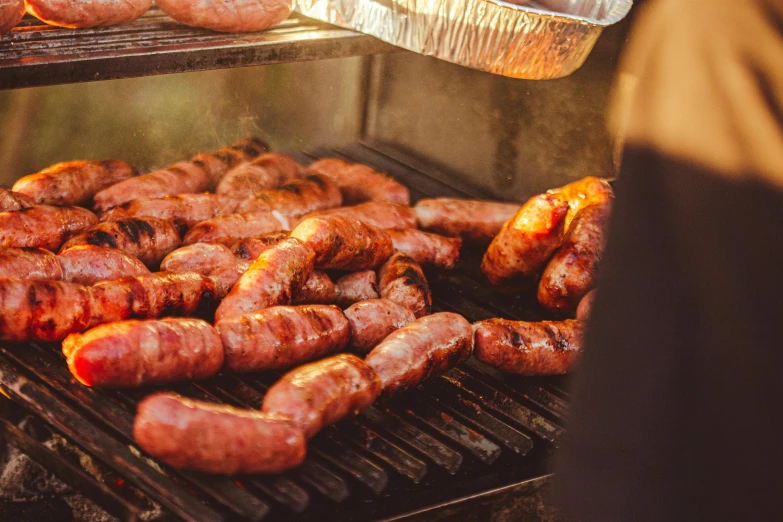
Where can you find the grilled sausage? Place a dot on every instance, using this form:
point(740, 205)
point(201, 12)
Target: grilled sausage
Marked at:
point(472, 220)
point(11, 201)
point(225, 277)
point(542, 348)
point(201, 258)
point(573, 270)
point(428, 346)
point(238, 16)
point(402, 280)
point(213, 438)
point(295, 198)
point(89, 264)
point(148, 239)
point(29, 263)
point(321, 393)
point(87, 13)
point(43, 226)
point(282, 336)
point(233, 227)
point(360, 183)
point(344, 243)
point(250, 248)
point(130, 354)
point(11, 13)
point(373, 320)
point(218, 163)
point(318, 289)
point(267, 171)
point(426, 248)
point(381, 214)
point(271, 280)
point(582, 193)
point(585, 307)
point(355, 287)
point(525, 243)
point(73, 182)
point(188, 209)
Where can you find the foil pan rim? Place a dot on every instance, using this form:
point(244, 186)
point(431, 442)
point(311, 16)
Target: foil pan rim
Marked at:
point(618, 12)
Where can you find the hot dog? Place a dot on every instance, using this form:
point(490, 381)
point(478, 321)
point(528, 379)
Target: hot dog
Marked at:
point(43, 226)
point(402, 280)
point(472, 220)
point(360, 183)
point(373, 320)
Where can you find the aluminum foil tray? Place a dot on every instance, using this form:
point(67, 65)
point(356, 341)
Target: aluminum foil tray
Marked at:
point(536, 41)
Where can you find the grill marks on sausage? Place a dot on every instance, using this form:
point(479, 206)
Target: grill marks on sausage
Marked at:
point(359, 183)
point(402, 280)
point(43, 226)
point(295, 198)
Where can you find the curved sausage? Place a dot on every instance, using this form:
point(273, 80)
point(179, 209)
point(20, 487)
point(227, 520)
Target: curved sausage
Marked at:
point(428, 346)
point(212, 438)
point(402, 280)
point(295, 198)
point(542, 348)
point(233, 227)
point(43, 226)
point(321, 393)
point(527, 241)
point(582, 193)
point(360, 183)
point(573, 270)
point(426, 248)
point(188, 209)
point(87, 13)
point(73, 182)
point(318, 289)
point(29, 263)
point(89, 264)
point(375, 319)
point(355, 287)
point(11, 13)
point(381, 214)
point(130, 354)
point(585, 307)
point(472, 220)
point(267, 171)
point(250, 248)
point(344, 243)
point(11, 201)
point(238, 16)
point(282, 336)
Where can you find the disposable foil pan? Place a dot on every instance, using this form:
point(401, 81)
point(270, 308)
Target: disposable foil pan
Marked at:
point(520, 41)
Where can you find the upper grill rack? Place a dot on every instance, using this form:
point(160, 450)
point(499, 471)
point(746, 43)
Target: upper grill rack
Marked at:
point(437, 443)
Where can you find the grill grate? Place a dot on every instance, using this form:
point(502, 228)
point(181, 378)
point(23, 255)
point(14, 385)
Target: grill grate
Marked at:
point(468, 431)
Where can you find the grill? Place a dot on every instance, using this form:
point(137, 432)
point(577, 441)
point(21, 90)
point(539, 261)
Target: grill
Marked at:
point(467, 434)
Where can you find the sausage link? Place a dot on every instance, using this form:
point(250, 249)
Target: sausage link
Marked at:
point(402, 281)
point(201, 258)
point(188, 209)
point(229, 229)
point(585, 308)
point(426, 248)
point(11, 201)
point(375, 319)
point(212, 438)
point(11, 13)
point(89, 264)
point(218, 163)
point(359, 183)
point(87, 13)
point(250, 248)
point(266, 172)
point(295, 198)
point(238, 16)
point(472, 220)
point(29, 263)
point(318, 289)
point(582, 193)
point(355, 287)
point(381, 214)
point(321, 393)
point(542, 348)
point(43, 226)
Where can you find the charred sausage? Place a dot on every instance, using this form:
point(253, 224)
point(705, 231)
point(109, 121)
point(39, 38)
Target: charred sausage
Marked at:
point(11, 13)
point(87, 13)
point(318, 289)
point(373, 320)
point(472, 220)
point(43, 226)
point(250, 248)
point(582, 193)
point(542, 348)
point(585, 307)
point(29, 263)
point(233, 227)
point(238, 16)
point(89, 264)
point(426, 248)
point(11, 201)
point(360, 183)
point(402, 280)
point(188, 209)
point(381, 214)
point(267, 171)
point(355, 287)
point(295, 198)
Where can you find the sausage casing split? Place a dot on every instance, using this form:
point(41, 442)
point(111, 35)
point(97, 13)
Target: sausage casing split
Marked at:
point(11, 13)
point(321, 393)
point(29, 263)
point(402, 280)
point(427, 346)
point(585, 307)
point(188, 209)
point(375, 319)
point(472, 220)
point(212, 438)
point(295, 198)
point(267, 171)
point(381, 214)
point(344, 243)
point(73, 182)
point(11, 201)
point(360, 183)
point(282, 336)
point(355, 287)
point(542, 348)
point(238, 16)
point(426, 248)
point(233, 227)
point(43, 226)
point(130, 354)
point(582, 193)
point(250, 248)
point(89, 264)
point(87, 13)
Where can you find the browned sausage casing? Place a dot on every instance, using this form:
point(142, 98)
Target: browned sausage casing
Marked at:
point(355, 287)
point(282, 336)
point(344, 243)
point(212, 438)
point(267, 171)
point(427, 346)
point(188, 209)
point(472, 220)
point(381, 214)
point(573, 270)
point(29, 263)
point(250, 248)
point(527, 241)
point(87, 13)
point(201, 258)
point(11, 201)
point(89, 264)
point(73, 182)
point(542, 348)
point(321, 393)
point(373, 320)
point(585, 307)
point(229, 229)
point(218, 163)
point(147, 239)
point(130, 354)
point(427, 248)
point(295, 198)
point(360, 183)
point(271, 280)
point(582, 193)
point(11, 13)
point(238, 16)
point(402, 280)
point(43, 226)
point(318, 289)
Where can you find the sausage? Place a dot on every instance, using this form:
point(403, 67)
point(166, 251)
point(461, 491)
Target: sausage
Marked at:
point(188, 209)
point(238, 16)
point(11, 201)
point(381, 214)
point(318, 289)
point(321, 393)
point(130, 354)
point(89, 264)
point(402, 280)
point(525, 243)
point(360, 183)
point(282, 336)
point(585, 308)
point(201, 258)
point(43, 226)
point(355, 287)
point(542, 348)
point(267, 171)
point(373, 320)
point(426, 248)
point(225, 277)
point(11, 13)
point(295, 198)
point(73, 182)
point(271, 280)
point(218, 163)
point(148, 239)
point(344, 243)
point(251, 247)
point(472, 220)
point(233, 227)
point(87, 13)
point(573, 270)
point(213, 438)
point(29, 263)
point(582, 193)
point(428, 346)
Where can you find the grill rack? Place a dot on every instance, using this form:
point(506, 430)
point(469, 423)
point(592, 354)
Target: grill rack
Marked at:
point(435, 444)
